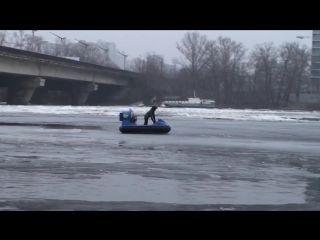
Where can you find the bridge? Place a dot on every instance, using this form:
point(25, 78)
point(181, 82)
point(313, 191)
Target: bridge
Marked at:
point(22, 72)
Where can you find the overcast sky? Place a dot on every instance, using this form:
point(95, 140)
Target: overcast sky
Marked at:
point(163, 42)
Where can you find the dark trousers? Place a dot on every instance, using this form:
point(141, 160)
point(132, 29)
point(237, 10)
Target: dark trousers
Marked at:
point(146, 120)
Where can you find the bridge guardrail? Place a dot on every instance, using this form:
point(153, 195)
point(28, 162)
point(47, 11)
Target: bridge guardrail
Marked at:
point(39, 57)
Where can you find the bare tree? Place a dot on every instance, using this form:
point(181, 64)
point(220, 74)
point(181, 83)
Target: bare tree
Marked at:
point(242, 77)
point(88, 53)
point(298, 69)
point(19, 39)
point(66, 48)
point(56, 48)
point(161, 66)
point(139, 65)
point(154, 64)
point(226, 59)
point(63, 48)
point(225, 56)
point(3, 38)
point(152, 71)
point(236, 79)
point(10, 41)
point(213, 72)
point(286, 55)
point(194, 48)
point(265, 57)
point(93, 55)
point(33, 43)
point(27, 42)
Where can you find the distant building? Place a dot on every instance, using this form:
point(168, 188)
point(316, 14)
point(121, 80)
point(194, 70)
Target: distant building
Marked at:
point(111, 53)
point(47, 48)
point(130, 64)
point(133, 62)
point(304, 98)
point(155, 60)
point(53, 48)
point(169, 70)
point(315, 62)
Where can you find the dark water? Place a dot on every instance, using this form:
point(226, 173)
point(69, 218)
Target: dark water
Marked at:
point(50, 162)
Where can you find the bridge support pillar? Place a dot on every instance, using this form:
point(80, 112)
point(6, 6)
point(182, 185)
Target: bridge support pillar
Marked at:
point(20, 92)
point(81, 93)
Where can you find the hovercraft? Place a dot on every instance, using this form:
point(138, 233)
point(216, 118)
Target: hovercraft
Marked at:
point(129, 125)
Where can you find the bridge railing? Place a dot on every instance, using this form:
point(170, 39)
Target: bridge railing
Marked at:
point(40, 57)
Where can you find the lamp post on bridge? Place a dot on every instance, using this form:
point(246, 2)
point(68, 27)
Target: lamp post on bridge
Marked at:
point(105, 50)
point(124, 56)
point(62, 40)
point(86, 45)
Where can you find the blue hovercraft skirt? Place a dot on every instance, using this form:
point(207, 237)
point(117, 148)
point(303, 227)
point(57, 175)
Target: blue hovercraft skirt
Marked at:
point(145, 129)
point(157, 128)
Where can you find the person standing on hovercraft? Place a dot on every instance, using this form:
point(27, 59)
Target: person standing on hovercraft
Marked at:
point(151, 115)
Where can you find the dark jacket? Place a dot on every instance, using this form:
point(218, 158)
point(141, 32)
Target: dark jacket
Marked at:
point(151, 114)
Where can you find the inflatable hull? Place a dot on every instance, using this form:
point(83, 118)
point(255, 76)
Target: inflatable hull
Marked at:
point(129, 126)
point(145, 129)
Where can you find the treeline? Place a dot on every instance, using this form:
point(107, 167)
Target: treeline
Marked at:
point(226, 71)
point(222, 69)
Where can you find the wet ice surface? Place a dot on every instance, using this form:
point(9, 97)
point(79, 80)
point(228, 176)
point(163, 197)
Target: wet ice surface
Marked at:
point(83, 162)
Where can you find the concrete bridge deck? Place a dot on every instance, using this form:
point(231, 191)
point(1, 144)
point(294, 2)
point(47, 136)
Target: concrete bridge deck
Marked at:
point(16, 61)
point(24, 71)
